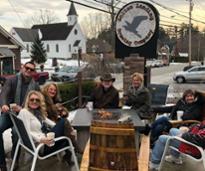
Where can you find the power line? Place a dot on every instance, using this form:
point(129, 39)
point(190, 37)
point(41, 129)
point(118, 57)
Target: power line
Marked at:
point(172, 10)
point(88, 6)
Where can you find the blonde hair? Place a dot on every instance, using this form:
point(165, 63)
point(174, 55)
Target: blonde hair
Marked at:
point(42, 102)
point(138, 76)
point(45, 88)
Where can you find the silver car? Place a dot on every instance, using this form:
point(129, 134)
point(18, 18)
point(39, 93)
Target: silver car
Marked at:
point(194, 74)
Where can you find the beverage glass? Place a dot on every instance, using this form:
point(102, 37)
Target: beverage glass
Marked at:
point(179, 115)
point(51, 136)
point(89, 106)
point(12, 105)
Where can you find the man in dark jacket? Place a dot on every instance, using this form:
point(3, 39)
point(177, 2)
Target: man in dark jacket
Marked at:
point(14, 90)
point(105, 95)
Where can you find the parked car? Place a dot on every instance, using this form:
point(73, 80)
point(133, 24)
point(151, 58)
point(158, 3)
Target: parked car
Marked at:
point(69, 73)
point(194, 74)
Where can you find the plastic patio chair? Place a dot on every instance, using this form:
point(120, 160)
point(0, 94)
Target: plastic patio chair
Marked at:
point(26, 141)
point(197, 161)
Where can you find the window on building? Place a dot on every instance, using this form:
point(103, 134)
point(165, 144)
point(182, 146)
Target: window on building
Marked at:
point(75, 31)
point(69, 47)
point(47, 48)
point(27, 47)
point(57, 48)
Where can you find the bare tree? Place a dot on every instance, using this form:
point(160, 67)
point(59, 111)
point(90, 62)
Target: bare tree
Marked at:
point(95, 23)
point(43, 16)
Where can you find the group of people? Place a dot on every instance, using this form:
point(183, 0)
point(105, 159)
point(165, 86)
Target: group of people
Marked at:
point(41, 111)
point(191, 104)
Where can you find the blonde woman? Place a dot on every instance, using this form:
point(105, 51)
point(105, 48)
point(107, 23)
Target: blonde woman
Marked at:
point(34, 117)
point(138, 96)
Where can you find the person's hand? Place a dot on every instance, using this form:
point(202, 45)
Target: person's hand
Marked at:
point(184, 129)
point(47, 141)
point(16, 108)
point(4, 108)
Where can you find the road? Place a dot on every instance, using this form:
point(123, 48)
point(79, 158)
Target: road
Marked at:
point(163, 75)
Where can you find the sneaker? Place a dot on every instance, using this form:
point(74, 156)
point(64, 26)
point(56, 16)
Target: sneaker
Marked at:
point(173, 159)
point(153, 166)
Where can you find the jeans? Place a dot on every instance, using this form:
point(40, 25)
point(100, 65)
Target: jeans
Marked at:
point(159, 146)
point(159, 126)
point(58, 129)
point(5, 123)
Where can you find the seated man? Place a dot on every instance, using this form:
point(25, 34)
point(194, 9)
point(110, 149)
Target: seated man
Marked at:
point(191, 106)
point(105, 95)
point(195, 135)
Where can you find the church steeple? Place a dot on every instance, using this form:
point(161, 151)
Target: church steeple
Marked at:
point(72, 15)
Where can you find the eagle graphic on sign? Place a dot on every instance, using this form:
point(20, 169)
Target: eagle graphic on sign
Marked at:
point(132, 27)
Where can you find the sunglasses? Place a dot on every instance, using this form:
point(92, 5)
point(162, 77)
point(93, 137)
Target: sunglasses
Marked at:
point(28, 68)
point(34, 100)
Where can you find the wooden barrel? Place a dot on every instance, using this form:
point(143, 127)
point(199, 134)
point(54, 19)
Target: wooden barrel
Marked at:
point(112, 147)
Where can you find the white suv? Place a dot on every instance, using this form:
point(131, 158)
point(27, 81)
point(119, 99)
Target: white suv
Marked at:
point(194, 74)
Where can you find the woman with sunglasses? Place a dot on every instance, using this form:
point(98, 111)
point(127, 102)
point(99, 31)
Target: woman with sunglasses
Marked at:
point(34, 117)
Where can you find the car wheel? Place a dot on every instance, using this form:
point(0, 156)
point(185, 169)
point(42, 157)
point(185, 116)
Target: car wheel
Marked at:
point(180, 79)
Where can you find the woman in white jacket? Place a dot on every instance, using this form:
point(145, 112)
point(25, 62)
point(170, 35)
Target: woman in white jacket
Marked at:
point(35, 119)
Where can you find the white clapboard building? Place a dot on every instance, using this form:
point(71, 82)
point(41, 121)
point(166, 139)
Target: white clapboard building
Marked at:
point(61, 40)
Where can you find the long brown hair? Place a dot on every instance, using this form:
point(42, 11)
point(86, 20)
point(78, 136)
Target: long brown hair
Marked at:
point(45, 88)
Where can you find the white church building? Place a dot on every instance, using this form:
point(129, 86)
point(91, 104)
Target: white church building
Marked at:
point(61, 40)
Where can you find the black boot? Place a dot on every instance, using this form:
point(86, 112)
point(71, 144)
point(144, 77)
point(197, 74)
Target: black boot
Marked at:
point(67, 158)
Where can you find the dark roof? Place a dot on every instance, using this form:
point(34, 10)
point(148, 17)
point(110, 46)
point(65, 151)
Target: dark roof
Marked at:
point(27, 35)
point(72, 10)
point(57, 31)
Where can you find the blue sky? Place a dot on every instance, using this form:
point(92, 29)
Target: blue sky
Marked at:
point(14, 12)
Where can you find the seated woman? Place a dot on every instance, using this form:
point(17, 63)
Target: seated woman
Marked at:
point(191, 107)
point(138, 96)
point(52, 99)
point(195, 135)
point(34, 117)
point(57, 111)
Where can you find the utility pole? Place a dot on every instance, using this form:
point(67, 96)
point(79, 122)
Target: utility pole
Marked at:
point(190, 11)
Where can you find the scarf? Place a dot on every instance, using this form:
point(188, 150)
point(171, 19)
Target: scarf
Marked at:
point(45, 128)
point(31, 86)
point(135, 91)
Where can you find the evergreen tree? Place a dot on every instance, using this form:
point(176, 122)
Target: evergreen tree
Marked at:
point(38, 53)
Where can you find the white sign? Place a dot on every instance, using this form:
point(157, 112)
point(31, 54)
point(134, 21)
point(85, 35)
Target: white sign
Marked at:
point(135, 24)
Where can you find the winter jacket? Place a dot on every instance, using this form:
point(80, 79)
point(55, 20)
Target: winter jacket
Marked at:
point(196, 135)
point(140, 100)
point(191, 111)
point(105, 98)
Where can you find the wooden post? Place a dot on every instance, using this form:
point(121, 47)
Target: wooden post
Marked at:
point(79, 79)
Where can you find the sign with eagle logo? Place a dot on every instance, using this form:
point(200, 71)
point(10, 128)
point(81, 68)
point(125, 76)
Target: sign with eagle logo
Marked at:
point(137, 30)
point(135, 24)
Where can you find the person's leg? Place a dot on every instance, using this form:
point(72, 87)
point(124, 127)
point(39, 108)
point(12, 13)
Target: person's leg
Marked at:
point(174, 132)
point(5, 123)
point(158, 149)
point(158, 128)
point(174, 143)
